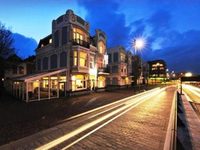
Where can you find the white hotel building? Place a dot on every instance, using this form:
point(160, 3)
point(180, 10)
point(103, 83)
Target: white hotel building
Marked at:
point(68, 61)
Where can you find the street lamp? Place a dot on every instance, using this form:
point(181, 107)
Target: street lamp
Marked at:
point(188, 74)
point(138, 44)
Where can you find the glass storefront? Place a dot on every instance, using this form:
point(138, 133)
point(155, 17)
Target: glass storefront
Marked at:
point(79, 82)
point(101, 81)
point(41, 87)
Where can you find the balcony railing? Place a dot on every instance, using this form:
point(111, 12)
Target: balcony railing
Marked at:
point(81, 43)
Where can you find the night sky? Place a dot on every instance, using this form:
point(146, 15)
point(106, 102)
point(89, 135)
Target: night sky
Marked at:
point(170, 27)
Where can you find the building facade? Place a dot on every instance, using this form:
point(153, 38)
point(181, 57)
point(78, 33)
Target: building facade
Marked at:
point(68, 61)
point(119, 66)
point(157, 71)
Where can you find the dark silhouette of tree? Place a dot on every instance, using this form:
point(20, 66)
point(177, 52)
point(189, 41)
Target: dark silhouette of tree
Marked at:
point(6, 49)
point(6, 42)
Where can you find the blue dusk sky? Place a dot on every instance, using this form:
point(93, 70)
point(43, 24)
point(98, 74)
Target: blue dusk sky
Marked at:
point(171, 27)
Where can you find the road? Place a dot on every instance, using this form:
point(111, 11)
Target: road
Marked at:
point(193, 95)
point(136, 122)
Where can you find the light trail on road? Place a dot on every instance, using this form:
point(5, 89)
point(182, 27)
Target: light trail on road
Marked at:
point(125, 105)
point(193, 89)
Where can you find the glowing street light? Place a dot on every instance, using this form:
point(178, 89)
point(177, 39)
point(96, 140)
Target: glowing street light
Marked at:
point(188, 74)
point(138, 43)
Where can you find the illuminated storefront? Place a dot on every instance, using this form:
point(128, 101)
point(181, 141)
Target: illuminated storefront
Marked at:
point(79, 82)
point(41, 86)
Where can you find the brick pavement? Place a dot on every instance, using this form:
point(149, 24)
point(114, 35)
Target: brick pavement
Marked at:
point(193, 123)
point(141, 119)
point(20, 119)
point(144, 127)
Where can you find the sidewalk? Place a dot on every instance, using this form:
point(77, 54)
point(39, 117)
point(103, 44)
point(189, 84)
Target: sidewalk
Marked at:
point(193, 123)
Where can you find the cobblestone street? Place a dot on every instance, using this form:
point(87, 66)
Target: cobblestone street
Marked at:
point(141, 128)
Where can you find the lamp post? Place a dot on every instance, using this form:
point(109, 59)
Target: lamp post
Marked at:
point(138, 44)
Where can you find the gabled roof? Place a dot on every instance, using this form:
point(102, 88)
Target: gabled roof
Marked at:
point(44, 41)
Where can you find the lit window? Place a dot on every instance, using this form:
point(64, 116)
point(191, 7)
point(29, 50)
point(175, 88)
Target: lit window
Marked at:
point(75, 58)
point(50, 40)
point(122, 57)
point(101, 46)
point(101, 82)
point(78, 82)
point(79, 35)
point(91, 62)
point(83, 59)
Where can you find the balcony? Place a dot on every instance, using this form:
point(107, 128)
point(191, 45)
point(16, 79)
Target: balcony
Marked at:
point(81, 43)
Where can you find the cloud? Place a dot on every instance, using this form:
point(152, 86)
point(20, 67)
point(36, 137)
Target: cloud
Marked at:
point(105, 15)
point(24, 46)
point(179, 50)
point(182, 52)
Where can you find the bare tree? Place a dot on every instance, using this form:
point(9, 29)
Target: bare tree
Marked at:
point(6, 42)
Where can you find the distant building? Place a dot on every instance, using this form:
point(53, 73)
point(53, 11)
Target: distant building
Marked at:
point(157, 71)
point(68, 61)
point(17, 68)
point(120, 67)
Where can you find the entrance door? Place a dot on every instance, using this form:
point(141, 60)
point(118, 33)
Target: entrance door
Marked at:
point(61, 89)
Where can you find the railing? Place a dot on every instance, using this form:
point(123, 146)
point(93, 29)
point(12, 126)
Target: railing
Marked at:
point(81, 43)
point(171, 136)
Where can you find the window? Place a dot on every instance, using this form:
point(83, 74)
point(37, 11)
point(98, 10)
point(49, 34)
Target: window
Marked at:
point(115, 59)
point(115, 81)
point(79, 36)
point(101, 82)
point(75, 58)
point(21, 70)
point(122, 57)
point(110, 58)
point(91, 62)
point(101, 47)
point(114, 69)
point(39, 64)
point(14, 70)
point(78, 82)
point(45, 63)
point(63, 59)
point(129, 61)
point(64, 35)
point(56, 38)
point(124, 70)
point(53, 61)
point(83, 59)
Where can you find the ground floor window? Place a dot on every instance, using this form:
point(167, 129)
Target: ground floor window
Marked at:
point(101, 81)
point(33, 89)
point(79, 82)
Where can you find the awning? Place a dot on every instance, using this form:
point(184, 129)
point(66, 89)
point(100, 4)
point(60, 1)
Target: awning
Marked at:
point(37, 76)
